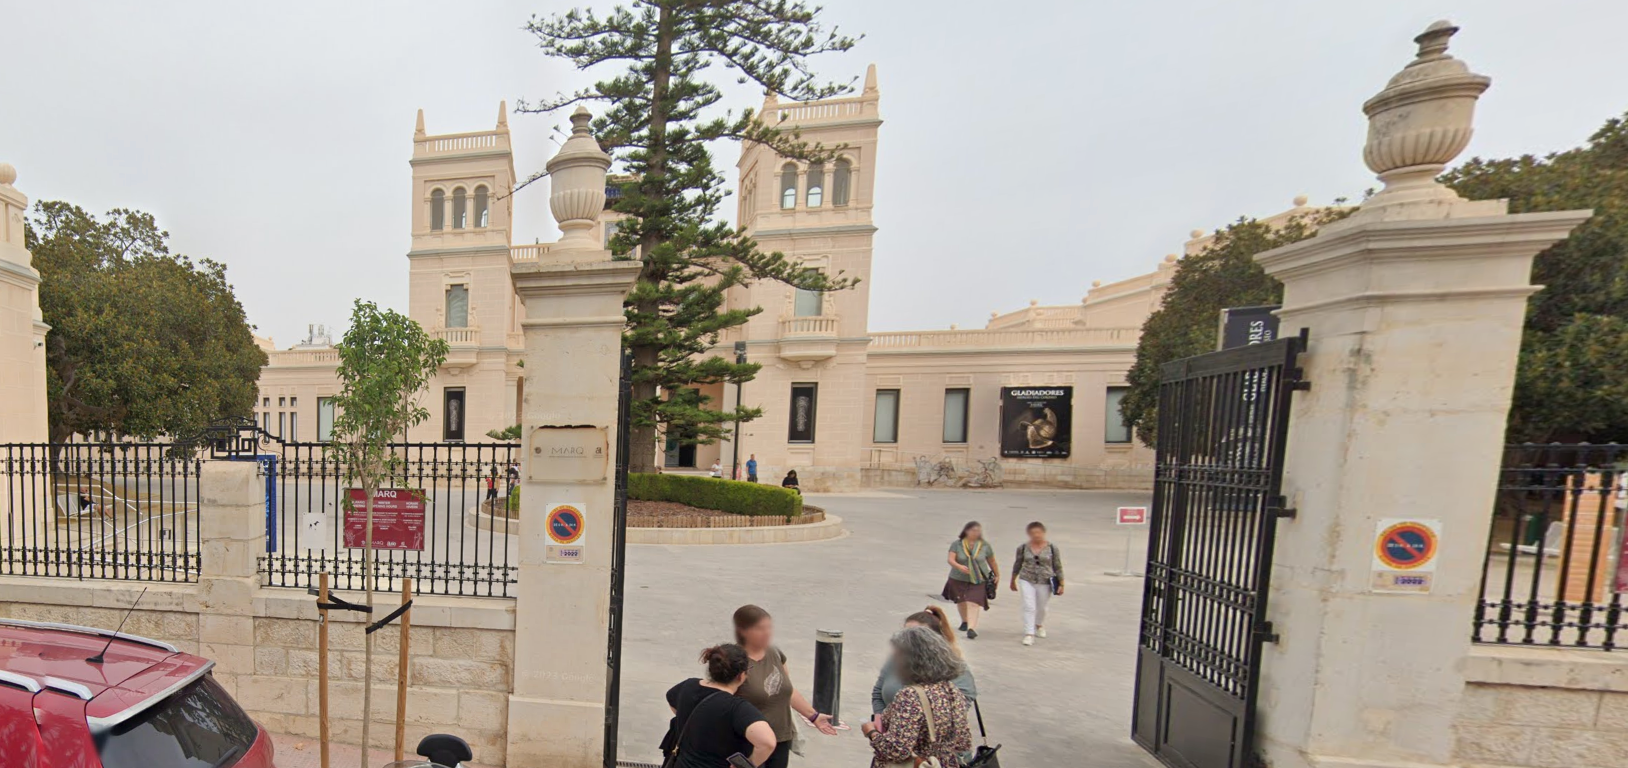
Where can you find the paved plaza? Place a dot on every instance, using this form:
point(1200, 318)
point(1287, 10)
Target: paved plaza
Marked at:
point(1067, 697)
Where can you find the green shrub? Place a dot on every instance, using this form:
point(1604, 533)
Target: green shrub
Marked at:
point(716, 493)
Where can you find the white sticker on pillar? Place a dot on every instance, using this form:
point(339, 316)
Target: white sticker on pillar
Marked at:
point(1405, 554)
point(567, 528)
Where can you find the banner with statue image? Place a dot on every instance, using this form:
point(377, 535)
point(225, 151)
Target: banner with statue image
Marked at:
point(1037, 422)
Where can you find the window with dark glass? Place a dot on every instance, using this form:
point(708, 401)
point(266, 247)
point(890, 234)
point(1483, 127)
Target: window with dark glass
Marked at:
point(198, 727)
point(1119, 430)
point(955, 414)
point(804, 403)
point(457, 306)
point(438, 210)
point(840, 182)
point(808, 303)
point(816, 184)
point(460, 208)
point(788, 186)
point(325, 418)
point(886, 429)
point(452, 414)
point(482, 206)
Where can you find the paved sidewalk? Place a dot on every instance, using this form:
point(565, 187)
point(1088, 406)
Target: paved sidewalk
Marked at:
point(302, 752)
point(1066, 697)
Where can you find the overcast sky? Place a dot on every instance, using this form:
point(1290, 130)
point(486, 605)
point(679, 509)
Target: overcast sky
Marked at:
point(1029, 147)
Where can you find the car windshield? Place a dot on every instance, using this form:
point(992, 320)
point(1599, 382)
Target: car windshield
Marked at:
point(197, 727)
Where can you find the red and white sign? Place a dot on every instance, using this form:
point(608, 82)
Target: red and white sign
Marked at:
point(398, 519)
point(1133, 515)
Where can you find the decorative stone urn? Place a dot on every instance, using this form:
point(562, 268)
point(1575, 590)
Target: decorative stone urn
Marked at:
point(1421, 121)
point(577, 174)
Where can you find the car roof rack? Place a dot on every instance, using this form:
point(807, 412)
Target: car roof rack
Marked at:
point(159, 644)
point(76, 690)
point(21, 681)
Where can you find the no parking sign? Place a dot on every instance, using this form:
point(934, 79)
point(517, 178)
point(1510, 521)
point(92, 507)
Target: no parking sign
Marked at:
point(1405, 554)
point(566, 525)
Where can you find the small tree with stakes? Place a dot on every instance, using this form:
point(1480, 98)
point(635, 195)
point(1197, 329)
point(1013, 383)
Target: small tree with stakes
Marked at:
point(385, 362)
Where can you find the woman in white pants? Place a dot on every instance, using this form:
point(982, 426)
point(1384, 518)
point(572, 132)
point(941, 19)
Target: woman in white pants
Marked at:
point(1038, 574)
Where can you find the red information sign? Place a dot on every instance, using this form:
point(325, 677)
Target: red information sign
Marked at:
point(398, 519)
point(1133, 515)
point(1622, 563)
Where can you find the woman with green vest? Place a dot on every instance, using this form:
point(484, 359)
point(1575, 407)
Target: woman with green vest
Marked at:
point(973, 574)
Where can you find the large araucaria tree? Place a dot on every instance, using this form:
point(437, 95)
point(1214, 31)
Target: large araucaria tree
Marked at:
point(143, 342)
point(658, 116)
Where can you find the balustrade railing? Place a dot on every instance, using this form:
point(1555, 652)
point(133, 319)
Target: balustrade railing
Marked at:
point(808, 326)
point(457, 336)
point(289, 357)
point(461, 142)
point(977, 338)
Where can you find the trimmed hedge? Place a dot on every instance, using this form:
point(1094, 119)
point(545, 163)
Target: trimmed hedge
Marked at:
point(733, 496)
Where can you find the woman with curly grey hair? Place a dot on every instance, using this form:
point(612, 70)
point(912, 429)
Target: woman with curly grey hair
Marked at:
point(928, 720)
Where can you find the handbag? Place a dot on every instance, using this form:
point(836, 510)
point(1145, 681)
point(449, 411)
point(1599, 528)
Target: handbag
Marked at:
point(670, 760)
point(984, 756)
point(1056, 583)
point(932, 736)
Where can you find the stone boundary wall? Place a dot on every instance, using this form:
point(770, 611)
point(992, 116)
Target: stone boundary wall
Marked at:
point(461, 655)
point(1543, 708)
point(828, 528)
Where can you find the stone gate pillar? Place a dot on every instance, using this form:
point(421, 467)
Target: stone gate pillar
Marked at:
point(1415, 306)
point(573, 327)
point(22, 328)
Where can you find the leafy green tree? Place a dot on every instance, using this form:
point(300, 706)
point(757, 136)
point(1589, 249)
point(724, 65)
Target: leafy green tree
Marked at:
point(385, 362)
point(1222, 275)
point(659, 118)
point(1574, 356)
point(143, 342)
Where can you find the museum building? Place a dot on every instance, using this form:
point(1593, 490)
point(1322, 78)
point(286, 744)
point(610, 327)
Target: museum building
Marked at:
point(1032, 398)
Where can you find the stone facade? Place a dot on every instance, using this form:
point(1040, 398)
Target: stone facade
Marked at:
point(1542, 708)
point(22, 330)
point(815, 218)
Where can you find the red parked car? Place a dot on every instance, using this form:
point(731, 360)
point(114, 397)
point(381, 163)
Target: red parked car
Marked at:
point(65, 703)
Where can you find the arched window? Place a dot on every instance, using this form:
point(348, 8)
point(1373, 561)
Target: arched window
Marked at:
point(438, 209)
point(840, 182)
point(788, 186)
point(460, 208)
point(816, 184)
point(482, 207)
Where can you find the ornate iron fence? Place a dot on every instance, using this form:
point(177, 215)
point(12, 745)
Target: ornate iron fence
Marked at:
point(100, 511)
point(1553, 565)
point(468, 532)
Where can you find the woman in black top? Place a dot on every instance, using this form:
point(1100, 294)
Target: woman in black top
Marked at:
point(710, 722)
point(791, 482)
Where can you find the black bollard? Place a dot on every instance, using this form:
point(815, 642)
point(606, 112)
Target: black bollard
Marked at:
point(828, 672)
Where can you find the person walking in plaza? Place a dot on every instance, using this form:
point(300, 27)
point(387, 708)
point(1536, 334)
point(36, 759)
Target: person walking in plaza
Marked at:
point(491, 489)
point(888, 684)
point(927, 721)
point(751, 469)
point(1037, 574)
point(768, 684)
point(711, 721)
point(973, 573)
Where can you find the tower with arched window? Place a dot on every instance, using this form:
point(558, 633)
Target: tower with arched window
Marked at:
point(459, 287)
point(818, 213)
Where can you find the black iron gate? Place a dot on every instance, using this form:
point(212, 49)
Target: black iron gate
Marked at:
point(1216, 498)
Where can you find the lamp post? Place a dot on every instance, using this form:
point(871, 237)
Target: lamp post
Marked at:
point(735, 439)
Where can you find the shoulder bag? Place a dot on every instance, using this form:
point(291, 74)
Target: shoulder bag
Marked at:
point(932, 737)
point(671, 759)
point(984, 756)
point(990, 589)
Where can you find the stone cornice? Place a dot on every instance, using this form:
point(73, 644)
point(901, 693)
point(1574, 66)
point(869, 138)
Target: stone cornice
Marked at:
point(434, 159)
point(834, 229)
point(15, 273)
point(467, 250)
point(1429, 241)
point(573, 278)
